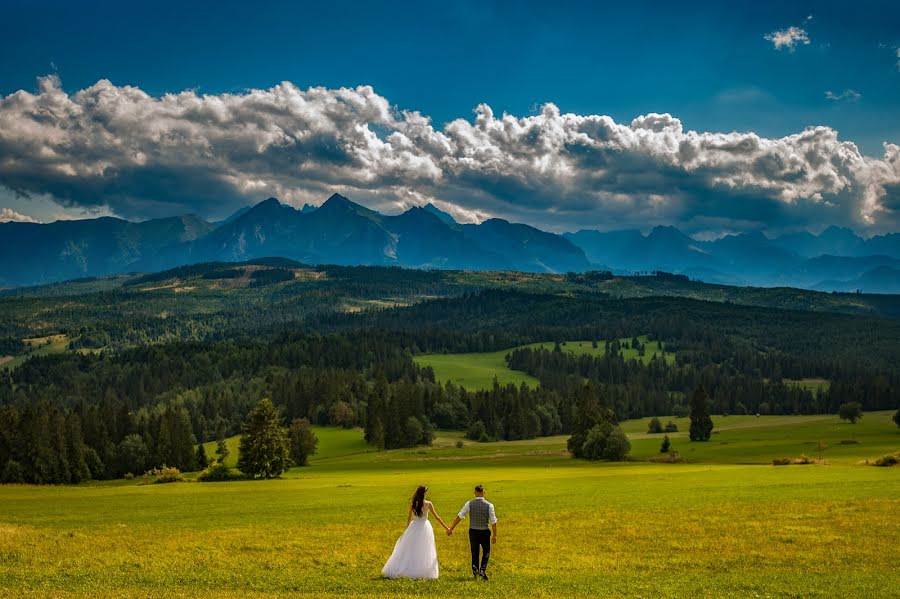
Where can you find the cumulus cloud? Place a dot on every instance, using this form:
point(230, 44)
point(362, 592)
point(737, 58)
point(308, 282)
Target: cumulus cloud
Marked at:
point(850, 95)
point(8, 215)
point(120, 149)
point(788, 38)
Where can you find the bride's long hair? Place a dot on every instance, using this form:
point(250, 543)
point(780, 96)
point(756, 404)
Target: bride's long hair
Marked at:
point(418, 500)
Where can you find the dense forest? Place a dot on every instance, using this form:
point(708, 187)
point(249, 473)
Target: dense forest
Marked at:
point(135, 404)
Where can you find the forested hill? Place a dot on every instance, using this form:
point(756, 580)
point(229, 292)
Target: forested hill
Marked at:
point(222, 300)
point(114, 376)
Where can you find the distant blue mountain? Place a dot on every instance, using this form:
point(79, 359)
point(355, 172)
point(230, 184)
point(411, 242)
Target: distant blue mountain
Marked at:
point(341, 231)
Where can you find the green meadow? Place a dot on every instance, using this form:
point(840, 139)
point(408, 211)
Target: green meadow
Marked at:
point(37, 346)
point(475, 371)
point(725, 524)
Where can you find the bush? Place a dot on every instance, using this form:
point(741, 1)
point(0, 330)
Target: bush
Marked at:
point(802, 460)
point(476, 431)
point(459, 444)
point(605, 442)
point(484, 438)
point(670, 458)
point(219, 472)
point(164, 474)
point(851, 411)
point(303, 441)
point(671, 427)
point(666, 444)
point(890, 459)
point(897, 417)
point(655, 426)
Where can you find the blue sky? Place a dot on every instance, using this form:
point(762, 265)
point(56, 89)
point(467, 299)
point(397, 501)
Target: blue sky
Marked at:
point(707, 64)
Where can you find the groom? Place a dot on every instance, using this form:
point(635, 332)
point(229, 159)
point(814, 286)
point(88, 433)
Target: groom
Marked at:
point(481, 514)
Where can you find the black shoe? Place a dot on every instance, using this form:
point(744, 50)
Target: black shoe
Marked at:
point(483, 575)
point(474, 574)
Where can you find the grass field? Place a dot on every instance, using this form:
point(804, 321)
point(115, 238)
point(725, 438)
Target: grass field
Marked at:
point(475, 371)
point(567, 528)
point(40, 346)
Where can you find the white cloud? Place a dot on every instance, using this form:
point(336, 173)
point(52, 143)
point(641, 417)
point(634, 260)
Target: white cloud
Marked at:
point(788, 38)
point(116, 148)
point(850, 95)
point(9, 215)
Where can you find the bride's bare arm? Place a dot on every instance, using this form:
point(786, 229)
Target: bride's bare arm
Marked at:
point(438, 518)
point(409, 514)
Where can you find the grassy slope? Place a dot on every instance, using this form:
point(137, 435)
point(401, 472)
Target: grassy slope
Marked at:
point(477, 370)
point(567, 528)
point(40, 347)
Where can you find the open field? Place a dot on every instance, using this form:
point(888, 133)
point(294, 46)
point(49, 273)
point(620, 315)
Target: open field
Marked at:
point(475, 371)
point(567, 528)
point(40, 346)
point(811, 385)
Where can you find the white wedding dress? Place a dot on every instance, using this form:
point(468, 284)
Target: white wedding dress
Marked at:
point(415, 555)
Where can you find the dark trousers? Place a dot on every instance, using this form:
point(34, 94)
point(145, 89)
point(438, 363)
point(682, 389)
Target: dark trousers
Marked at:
point(480, 539)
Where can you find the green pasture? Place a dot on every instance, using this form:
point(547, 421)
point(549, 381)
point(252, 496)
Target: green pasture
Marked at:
point(475, 371)
point(39, 346)
point(714, 527)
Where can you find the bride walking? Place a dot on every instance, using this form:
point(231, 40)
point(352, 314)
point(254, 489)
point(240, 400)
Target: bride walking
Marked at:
point(415, 555)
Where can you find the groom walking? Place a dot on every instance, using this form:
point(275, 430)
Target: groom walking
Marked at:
point(481, 514)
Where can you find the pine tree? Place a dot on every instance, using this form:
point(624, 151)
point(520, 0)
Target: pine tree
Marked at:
point(664, 448)
point(701, 422)
point(222, 452)
point(77, 462)
point(264, 450)
point(202, 460)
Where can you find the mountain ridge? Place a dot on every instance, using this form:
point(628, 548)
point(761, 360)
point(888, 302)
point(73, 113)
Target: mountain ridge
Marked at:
point(343, 232)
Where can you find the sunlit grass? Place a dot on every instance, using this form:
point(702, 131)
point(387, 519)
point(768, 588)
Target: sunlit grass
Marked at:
point(475, 371)
point(567, 528)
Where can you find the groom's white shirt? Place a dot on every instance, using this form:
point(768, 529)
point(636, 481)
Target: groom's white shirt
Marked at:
point(465, 510)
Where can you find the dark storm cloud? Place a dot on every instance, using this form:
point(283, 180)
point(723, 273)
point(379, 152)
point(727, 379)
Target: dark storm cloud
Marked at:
point(142, 156)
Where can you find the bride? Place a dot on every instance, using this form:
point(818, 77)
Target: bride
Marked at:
point(415, 555)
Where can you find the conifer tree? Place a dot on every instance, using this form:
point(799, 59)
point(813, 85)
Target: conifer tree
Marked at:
point(264, 450)
point(202, 459)
point(701, 422)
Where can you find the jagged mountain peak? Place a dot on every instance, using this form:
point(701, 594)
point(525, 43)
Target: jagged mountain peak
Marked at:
point(444, 216)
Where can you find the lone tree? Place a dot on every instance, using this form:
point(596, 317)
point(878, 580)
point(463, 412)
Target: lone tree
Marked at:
point(701, 423)
point(897, 417)
point(202, 460)
point(264, 450)
point(666, 444)
point(655, 426)
point(221, 445)
point(852, 411)
point(303, 441)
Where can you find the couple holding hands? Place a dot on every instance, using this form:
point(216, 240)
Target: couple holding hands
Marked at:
point(415, 554)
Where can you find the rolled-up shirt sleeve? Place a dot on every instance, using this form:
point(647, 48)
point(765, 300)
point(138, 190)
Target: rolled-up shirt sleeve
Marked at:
point(491, 513)
point(464, 511)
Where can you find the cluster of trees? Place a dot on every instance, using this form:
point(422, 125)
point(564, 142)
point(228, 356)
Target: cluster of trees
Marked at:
point(636, 390)
point(595, 433)
point(43, 443)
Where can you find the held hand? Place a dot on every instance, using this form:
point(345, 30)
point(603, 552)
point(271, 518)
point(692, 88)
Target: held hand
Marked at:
point(449, 532)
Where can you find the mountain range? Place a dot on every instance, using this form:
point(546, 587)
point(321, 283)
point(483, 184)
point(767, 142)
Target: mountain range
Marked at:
point(343, 232)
